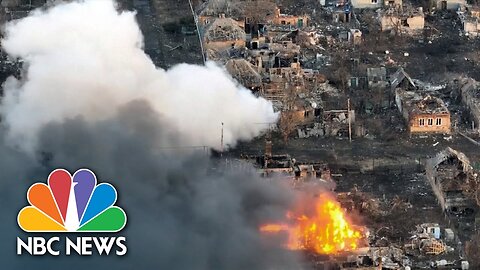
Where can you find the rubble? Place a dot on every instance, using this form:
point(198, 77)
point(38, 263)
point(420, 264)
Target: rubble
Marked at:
point(223, 34)
point(423, 114)
point(245, 74)
point(401, 80)
point(469, 20)
point(410, 20)
point(470, 92)
point(453, 181)
point(377, 77)
point(447, 4)
point(310, 60)
point(373, 4)
point(309, 64)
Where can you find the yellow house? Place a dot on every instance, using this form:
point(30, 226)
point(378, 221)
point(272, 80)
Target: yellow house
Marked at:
point(423, 115)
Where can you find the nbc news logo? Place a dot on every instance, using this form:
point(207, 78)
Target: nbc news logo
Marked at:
point(72, 204)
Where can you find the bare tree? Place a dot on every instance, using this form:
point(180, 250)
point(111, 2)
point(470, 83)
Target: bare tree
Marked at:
point(288, 120)
point(340, 70)
point(257, 12)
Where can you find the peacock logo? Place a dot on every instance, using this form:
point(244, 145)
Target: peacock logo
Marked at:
point(72, 204)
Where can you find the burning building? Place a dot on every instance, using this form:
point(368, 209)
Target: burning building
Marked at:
point(320, 225)
point(180, 212)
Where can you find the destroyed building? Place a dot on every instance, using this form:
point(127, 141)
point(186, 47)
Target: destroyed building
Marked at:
point(245, 74)
point(423, 114)
point(301, 112)
point(470, 91)
point(470, 21)
point(453, 181)
point(447, 4)
point(367, 3)
point(286, 167)
point(281, 79)
point(426, 240)
point(377, 77)
point(251, 14)
point(355, 36)
point(276, 164)
point(342, 14)
point(286, 19)
point(358, 75)
point(223, 34)
point(338, 121)
point(401, 80)
point(286, 51)
point(409, 21)
point(332, 123)
point(471, 26)
point(394, 4)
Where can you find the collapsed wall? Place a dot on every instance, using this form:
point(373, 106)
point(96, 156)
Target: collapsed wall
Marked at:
point(453, 181)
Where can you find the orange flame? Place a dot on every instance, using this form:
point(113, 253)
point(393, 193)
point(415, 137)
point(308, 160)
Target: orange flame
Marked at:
point(325, 231)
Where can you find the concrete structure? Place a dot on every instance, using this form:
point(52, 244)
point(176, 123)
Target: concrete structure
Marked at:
point(431, 229)
point(377, 77)
point(423, 115)
point(285, 19)
point(222, 34)
point(471, 26)
point(394, 3)
point(355, 36)
point(447, 4)
point(244, 73)
point(367, 3)
point(450, 175)
point(401, 80)
point(470, 91)
point(410, 22)
point(470, 21)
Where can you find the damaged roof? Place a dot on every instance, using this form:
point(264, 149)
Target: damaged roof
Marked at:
point(224, 29)
point(398, 77)
point(430, 105)
point(416, 104)
point(243, 72)
point(448, 153)
point(262, 10)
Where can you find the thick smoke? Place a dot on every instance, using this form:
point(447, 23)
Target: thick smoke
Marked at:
point(87, 59)
point(89, 97)
point(184, 211)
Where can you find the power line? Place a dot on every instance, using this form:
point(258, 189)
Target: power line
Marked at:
point(195, 18)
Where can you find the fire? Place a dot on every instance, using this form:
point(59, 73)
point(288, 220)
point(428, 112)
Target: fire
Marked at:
point(326, 230)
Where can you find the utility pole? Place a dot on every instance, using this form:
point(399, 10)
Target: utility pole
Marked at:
point(195, 18)
point(349, 121)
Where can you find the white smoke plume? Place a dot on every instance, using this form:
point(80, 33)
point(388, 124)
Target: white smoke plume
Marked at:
point(86, 59)
point(89, 97)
